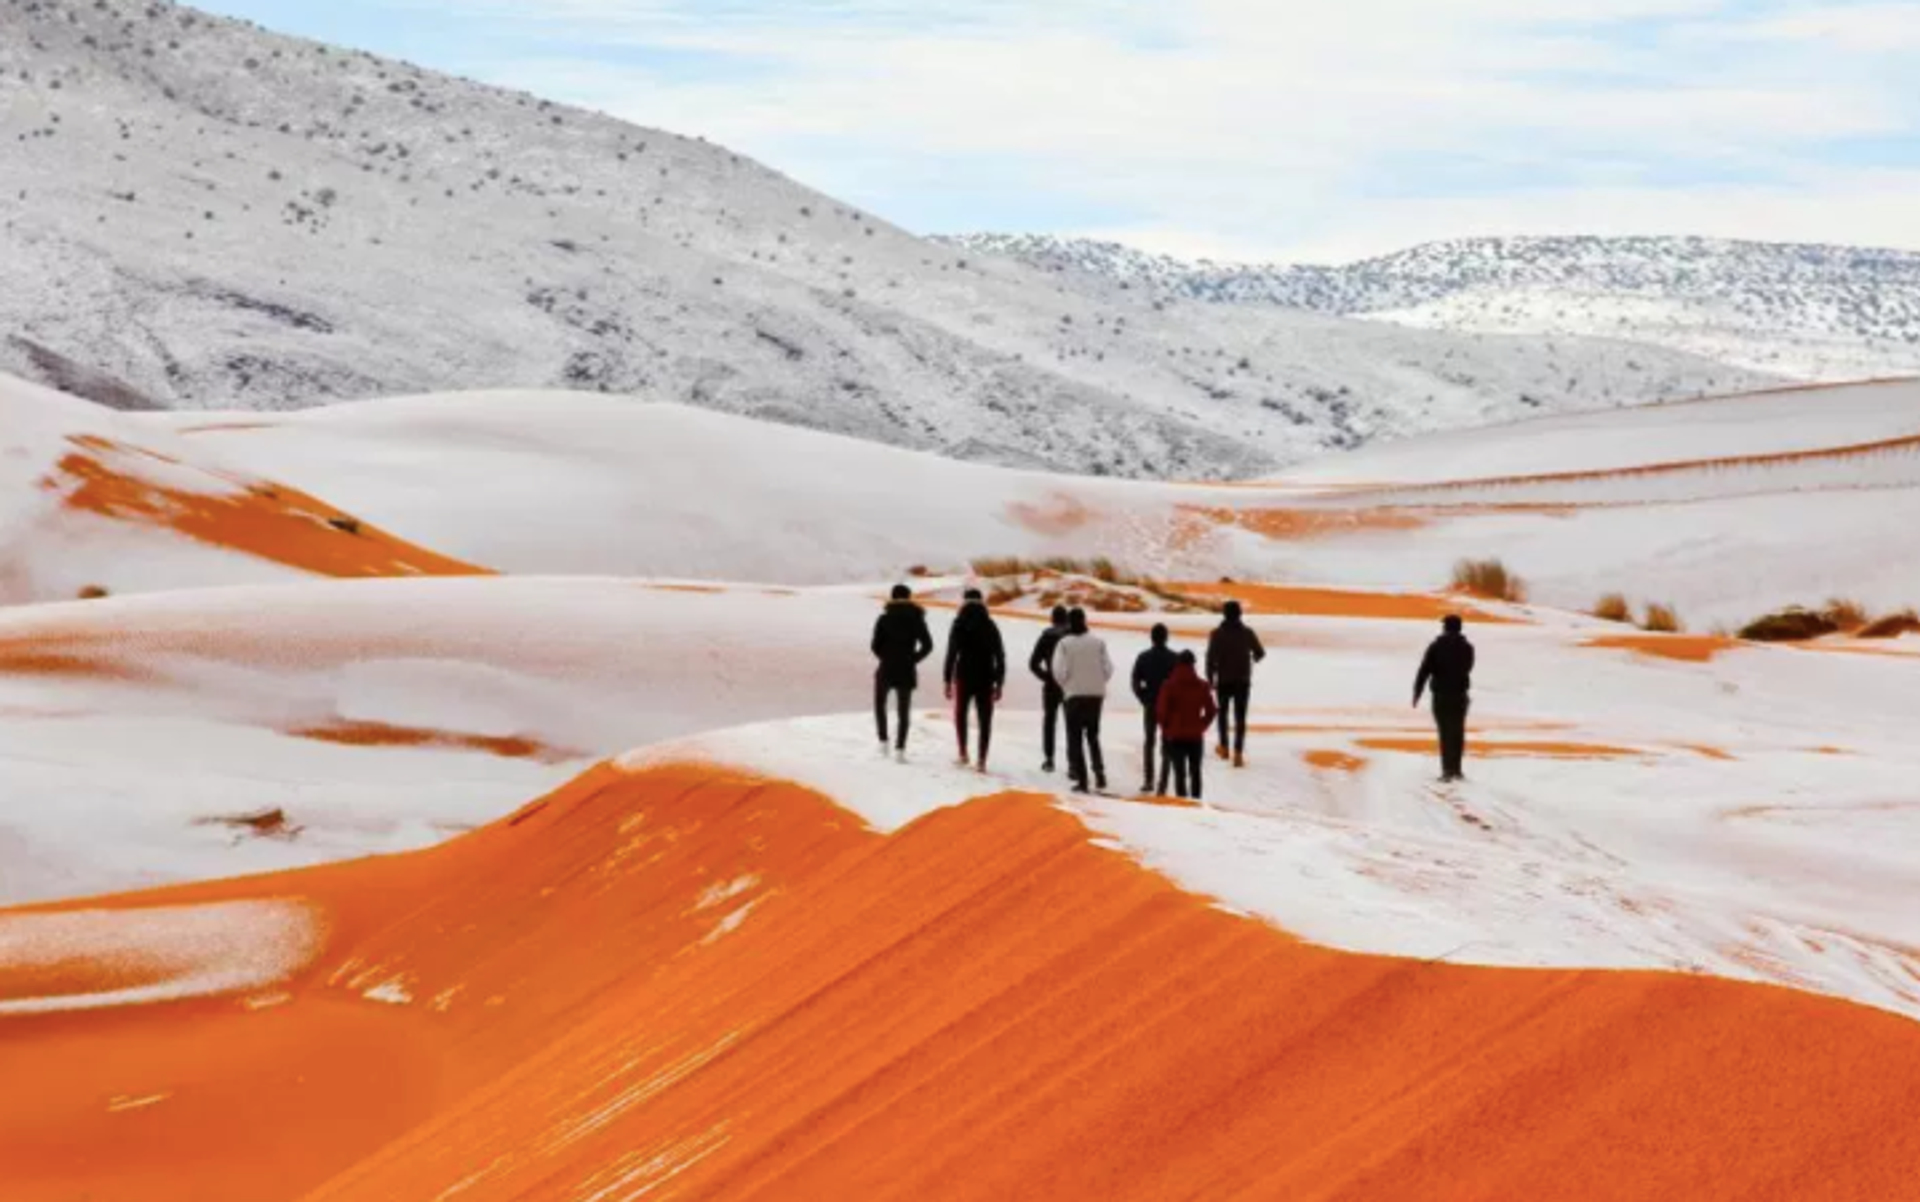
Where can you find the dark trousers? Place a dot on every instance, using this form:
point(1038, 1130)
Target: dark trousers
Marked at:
point(1150, 732)
point(1184, 757)
point(904, 696)
point(979, 699)
point(1083, 740)
point(1233, 700)
point(1450, 716)
point(1051, 699)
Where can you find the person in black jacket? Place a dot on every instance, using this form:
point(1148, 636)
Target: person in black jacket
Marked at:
point(900, 641)
point(976, 671)
point(1051, 698)
point(1150, 671)
point(1448, 669)
point(1232, 650)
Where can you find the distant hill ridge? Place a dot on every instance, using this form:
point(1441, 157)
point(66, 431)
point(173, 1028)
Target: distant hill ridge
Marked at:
point(199, 213)
point(1819, 312)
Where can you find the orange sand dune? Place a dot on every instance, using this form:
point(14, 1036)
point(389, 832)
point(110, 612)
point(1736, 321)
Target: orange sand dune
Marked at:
point(1482, 749)
point(384, 734)
point(1341, 603)
point(1688, 648)
point(1901, 444)
point(1333, 761)
point(269, 521)
point(1292, 525)
point(686, 984)
point(61, 657)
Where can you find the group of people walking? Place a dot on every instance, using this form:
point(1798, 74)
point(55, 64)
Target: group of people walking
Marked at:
point(1178, 705)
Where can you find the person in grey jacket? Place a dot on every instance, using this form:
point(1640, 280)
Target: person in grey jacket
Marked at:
point(1082, 668)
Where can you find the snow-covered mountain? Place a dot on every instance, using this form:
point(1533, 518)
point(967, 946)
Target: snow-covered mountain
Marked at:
point(1813, 312)
point(198, 213)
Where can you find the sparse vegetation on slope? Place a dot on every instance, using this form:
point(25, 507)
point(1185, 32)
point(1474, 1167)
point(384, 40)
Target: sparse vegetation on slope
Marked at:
point(1892, 626)
point(1661, 619)
point(1489, 580)
point(1613, 607)
point(1794, 624)
point(1094, 584)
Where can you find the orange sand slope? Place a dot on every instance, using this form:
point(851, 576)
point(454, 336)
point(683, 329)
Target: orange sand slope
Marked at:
point(689, 984)
point(256, 518)
point(1301, 601)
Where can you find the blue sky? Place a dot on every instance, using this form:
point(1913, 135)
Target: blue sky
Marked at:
point(1285, 129)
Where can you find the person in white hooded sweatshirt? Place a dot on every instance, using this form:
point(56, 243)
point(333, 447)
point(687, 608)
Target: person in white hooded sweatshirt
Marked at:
point(1082, 668)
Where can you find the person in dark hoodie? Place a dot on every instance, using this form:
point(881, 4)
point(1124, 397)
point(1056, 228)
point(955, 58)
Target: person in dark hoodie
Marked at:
point(1051, 698)
point(1448, 668)
point(1150, 671)
point(1185, 709)
point(976, 672)
point(1232, 651)
point(900, 641)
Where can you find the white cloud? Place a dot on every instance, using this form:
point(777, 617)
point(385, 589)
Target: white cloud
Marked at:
point(1282, 123)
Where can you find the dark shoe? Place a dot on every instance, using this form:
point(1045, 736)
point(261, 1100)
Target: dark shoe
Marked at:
point(1079, 788)
point(1147, 788)
point(1100, 783)
point(1222, 751)
point(1047, 767)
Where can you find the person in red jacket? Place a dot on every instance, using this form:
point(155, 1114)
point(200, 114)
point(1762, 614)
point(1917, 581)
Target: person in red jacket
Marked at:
point(1186, 711)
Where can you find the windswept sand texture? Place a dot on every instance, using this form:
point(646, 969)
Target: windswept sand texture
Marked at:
point(591, 886)
point(688, 983)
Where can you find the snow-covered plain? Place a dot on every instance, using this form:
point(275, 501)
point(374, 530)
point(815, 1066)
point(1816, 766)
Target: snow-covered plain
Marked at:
point(532, 796)
point(1671, 504)
point(1652, 812)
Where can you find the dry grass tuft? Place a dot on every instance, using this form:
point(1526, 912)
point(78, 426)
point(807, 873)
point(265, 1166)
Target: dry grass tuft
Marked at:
point(1791, 625)
point(1018, 577)
point(994, 567)
point(1892, 626)
point(1661, 619)
point(1613, 608)
point(1490, 579)
point(1845, 614)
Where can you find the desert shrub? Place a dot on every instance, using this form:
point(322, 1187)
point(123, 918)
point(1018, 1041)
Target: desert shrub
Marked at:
point(1613, 608)
point(919, 571)
point(1661, 619)
point(1845, 614)
point(1488, 578)
point(1005, 596)
point(346, 525)
point(1083, 592)
point(995, 566)
point(92, 592)
point(1791, 625)
point(1892, 626)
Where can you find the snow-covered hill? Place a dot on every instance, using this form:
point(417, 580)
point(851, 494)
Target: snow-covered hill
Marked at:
point(197, 213)
point(1812, 312)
